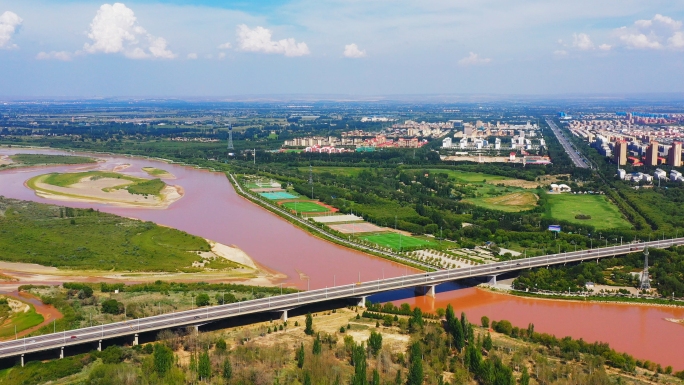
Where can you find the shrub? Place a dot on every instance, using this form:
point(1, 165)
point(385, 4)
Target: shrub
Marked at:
point(112, 306)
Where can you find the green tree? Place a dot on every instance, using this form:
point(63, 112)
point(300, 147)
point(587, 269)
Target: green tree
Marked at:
point(464, 323)
point(221, 345)
point(163, 359)
point(375, 342)
point(317, 346)
point(112, 306)
point(227, 369)
point(415, 374)
point(202, 299)
point(112, 355)
point(376, 377)
point(300, 356)
point(360, 366)
point(308, 328)
point(307, 378)
point(525, 377)
point(485, 321)
point(204, 366)
point(487, 343)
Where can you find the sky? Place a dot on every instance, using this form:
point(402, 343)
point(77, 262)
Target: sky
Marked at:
point(222, 49)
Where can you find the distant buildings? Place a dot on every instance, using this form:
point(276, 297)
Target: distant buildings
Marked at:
point(620, 152)
point(674, 156)
point(652, 154)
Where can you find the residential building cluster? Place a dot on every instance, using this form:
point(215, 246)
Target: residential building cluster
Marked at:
point(473, 137)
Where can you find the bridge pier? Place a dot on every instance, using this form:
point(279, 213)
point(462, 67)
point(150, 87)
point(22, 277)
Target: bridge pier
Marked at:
point(283, 315)
point(426, 290)
point(22, 360)
point(491, 280)
point(99, 345)
point(362, 301)
point(61, 352)
point(135, 339)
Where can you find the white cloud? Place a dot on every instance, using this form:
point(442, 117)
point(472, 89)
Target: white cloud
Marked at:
point(605, 47)
point(221, 55)
point(560, 52)
point(582, 41)
point(54, 55)
point(677, 40)
point(259, 40)
point(9, 21)
point(353, 51)
point(473, 59)
point(657, 33)
point(225, 46)
point(192, 56)
point(115, 30)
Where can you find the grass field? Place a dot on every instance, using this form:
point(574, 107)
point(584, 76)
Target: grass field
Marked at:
point(393, 240)
point(512, 202)
point(306, 207)
point(469, 177)
point(44, 234)
point(349, 171)
point(33, 159)
point(22, 320)
point(604, 214)
point(148, 187)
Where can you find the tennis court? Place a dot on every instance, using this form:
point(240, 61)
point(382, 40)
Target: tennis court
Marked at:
point(306, 207)
point(275, 196)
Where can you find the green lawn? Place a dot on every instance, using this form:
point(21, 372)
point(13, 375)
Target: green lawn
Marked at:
point(604, 214)
point(348, 171)
point(34, 159)
point(139, 186)
point(148, 187)
point(87, 239)
point(306, 207)
point(69, 178)
point(393, 240)
point(468, 177)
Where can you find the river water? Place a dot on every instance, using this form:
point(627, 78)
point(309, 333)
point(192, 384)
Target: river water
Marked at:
point(212, 209)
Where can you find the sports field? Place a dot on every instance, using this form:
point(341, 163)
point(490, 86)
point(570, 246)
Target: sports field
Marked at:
point(306, 207)
point(513, 202)
point(393, 240)
point(353, 228)
point(262, 184)
point(604, 214)
point(275, 196)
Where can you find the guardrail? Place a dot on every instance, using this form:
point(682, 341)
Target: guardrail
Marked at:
point(288, 301)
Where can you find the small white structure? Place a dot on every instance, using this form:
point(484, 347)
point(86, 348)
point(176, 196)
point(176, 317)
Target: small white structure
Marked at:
point(564, 188)
point(660, 174)
point(675, 175)
point(446, 143)
point(621, 173)
point(497, 144)
point(511, 157)
point(464, 143)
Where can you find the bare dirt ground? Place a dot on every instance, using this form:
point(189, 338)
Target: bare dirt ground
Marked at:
point(515, 199)
point(88, 190)
point(517, 183)
point(482, 159)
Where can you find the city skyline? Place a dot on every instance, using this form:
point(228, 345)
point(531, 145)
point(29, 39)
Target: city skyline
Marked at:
point(212, 49)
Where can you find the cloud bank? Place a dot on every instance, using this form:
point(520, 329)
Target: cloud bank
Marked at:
point(9, 22)
point(657, 33)
point(259, 39)
point(115, 30)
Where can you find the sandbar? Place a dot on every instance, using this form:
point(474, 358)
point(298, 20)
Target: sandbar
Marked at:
point(107, 191)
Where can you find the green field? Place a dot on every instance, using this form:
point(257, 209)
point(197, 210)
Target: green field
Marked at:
point(87, 239)
point(393, 240)
point(22, 320)
point(306, 207)
point(148, 187)
point(604, 214)
point(348, 171)
point(34, 159)
point(468, 177)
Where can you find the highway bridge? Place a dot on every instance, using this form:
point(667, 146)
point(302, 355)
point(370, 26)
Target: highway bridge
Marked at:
point(422, 282)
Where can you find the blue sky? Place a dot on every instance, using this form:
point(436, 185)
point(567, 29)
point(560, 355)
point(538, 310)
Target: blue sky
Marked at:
point(212, 48)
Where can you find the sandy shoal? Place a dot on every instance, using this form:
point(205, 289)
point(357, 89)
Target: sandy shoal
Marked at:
point(165, 175)
point(88, 190)
point(5, 159)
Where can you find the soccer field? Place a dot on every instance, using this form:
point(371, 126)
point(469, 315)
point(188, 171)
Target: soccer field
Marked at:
point(306, 207)
point(393, 240)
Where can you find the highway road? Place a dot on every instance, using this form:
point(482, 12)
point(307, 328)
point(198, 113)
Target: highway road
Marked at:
point(576, 158)
point(281, 303)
